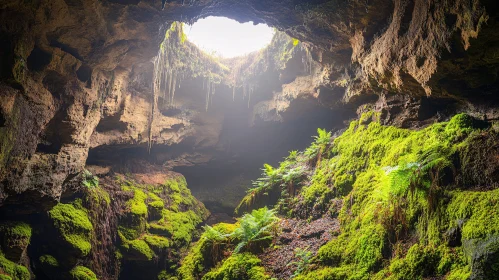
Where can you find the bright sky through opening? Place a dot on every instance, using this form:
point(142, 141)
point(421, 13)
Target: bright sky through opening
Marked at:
point(228, 38)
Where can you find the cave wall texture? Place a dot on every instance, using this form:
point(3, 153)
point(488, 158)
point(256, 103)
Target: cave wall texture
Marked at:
point(77, 75)
point(72, 69)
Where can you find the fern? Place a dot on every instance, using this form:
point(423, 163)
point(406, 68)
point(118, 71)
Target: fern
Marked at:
point(319, 146)
point(255, 227)
point(214, 235)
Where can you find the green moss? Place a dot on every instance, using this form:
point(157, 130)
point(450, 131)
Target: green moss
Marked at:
point(49, 260)
point(157, 204)
point(15, 234)
point(420, 262)
point(463, 273)
point(11, 270)
point(238, 266)
point(179, 225)
point(328, 273)
point(157, 243)
point(479, 212)
point(96, 195)
point(137, 204)
point(74, 226)
point(82, 273)
point(202, 255)
point(136, 249)
point(395, 187)
point(164, 275)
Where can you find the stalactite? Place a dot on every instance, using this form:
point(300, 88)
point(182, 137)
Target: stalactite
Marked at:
point(173, 88)
point(244, 91)
point(250, 91)
point(307, 60)
point(208, 86)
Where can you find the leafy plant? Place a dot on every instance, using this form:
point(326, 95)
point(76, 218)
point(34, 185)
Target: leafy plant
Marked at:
point(254, 228)
point(304, 259)
point(89, 180)
point(319, 146)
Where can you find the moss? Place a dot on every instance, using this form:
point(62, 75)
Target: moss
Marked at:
point(157, 243)
point(11, 270)
point(161, 205)
point(328, 273)
point(49, 260)
point(164, 275)
point(15, 234)
point(462, 273)
point(179, 225)
point(238, 266)
point(82, 273)
point(73, 225)
point(421, 261)
point(97, 195)
point(137, 204)
point(157, 204)
point(136, 249)
point(202, 256)
point(396, 186)
point(478, 211)
point(321, 189)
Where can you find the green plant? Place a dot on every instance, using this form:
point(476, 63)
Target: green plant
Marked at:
point(89, 180)
point(74, 226)
point(82, 273)
point(304, 259)
point(319, 146)
point(254, 228)
point(12, 270)
point(208, 251)
point(237, 267)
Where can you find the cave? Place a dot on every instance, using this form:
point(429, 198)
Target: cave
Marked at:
point(249, 139)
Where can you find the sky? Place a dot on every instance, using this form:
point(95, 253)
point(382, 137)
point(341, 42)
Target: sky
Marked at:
point(227, 37)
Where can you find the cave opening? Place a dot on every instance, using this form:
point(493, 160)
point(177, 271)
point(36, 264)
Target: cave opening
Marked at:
point(228, 38)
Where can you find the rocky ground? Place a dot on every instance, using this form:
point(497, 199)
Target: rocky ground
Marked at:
point(310, 236)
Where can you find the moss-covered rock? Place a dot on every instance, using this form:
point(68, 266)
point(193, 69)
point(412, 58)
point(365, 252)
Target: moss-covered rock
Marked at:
point(11, 270)
point(136, 249)
point(205, 254)
point(15, 238)
point(237, 267)
point(82, 273)
point(400, 189)
point(74, 226)
point(159, 219)
point(50, 266)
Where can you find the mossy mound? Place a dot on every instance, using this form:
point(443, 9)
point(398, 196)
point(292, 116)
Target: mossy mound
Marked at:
point(15, 238)
point(238, 267)
point(74, 226)
point(251, 234)
point(405, 212)
point(82, 273)
point(205, 254)
point(158, 217)
point(11, 270)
